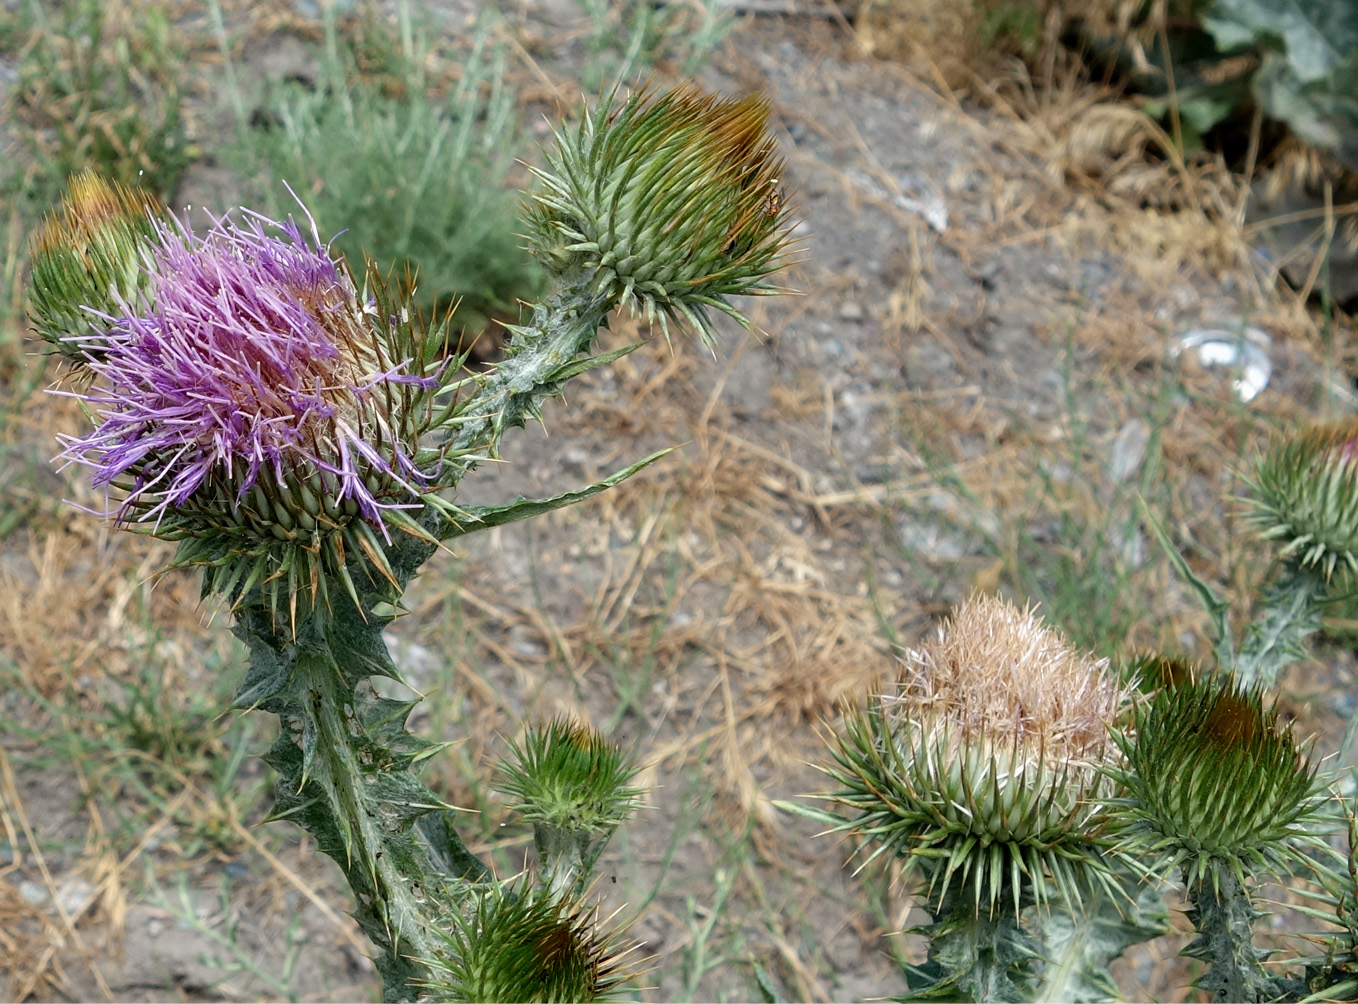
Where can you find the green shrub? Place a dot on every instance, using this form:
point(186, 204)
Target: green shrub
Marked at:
point(412, 181)
point(99, 89)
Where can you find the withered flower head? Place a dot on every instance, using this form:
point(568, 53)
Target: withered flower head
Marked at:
point(984, 766)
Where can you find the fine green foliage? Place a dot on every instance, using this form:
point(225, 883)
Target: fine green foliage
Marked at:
point(142, 743)
point(99, 89)
point(627, 39)
point(409, 179)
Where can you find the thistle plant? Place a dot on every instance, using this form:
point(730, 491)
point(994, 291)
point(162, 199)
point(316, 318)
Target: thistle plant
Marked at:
point(1213, 785)
point(572, 784)
point(1304, 497)
point(999, 767)
point(981, 771)
point(295, 428)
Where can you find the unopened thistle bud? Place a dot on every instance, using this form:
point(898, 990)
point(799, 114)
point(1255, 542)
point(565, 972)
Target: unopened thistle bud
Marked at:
point(1210, 776)
point(253, 404)
point(572, 784)
point(517, 943)
point(88, 259)
point(1306, 496)
point(984, 767)
point(671, 202)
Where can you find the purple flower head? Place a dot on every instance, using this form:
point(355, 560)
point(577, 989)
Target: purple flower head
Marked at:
point(252, 396)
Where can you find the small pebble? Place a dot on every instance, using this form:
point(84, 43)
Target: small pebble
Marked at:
point(75, 894)
point(524, 642)
point(850, 311)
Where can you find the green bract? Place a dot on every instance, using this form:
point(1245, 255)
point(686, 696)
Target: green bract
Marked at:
point(1210, 775)
point(672, 203)
point(1306, 495)
point(572, 784)
point(568, 775)
point(87, 256)
point(519, 943)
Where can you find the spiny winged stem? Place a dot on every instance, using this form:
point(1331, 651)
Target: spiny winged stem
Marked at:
point(1277, 637)
point(976, 955)
point(346, 774)
point(1223, 915)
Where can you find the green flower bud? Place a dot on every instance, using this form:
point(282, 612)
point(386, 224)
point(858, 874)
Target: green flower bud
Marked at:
point(572, 784)
point(89, 254)
point(984, 766)
point(522, 944)
point(671, 202)
point(1306, 495)
point(1210, 776)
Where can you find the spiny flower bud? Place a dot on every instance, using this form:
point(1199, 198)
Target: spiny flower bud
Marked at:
point(568, 775)
point(572, 784)
point(253, 404)
point(87, 258)
point(984, 766)
point(670, 202)
point(523, 944)
point(1306, 496)
point(1211, 775)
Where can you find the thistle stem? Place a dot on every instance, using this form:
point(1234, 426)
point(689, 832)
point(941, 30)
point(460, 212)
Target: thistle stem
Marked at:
point(1277, 638)
point(1223, 915)
point(977, 955)
point(563, 326)
point(346, 775)
point(567, 857)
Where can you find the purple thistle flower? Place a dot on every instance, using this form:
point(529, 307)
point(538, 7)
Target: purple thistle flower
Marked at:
point(255, 356)
point(254, 405)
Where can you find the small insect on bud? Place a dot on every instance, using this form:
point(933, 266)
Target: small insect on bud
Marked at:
point(88, 262)
point(671, 203)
